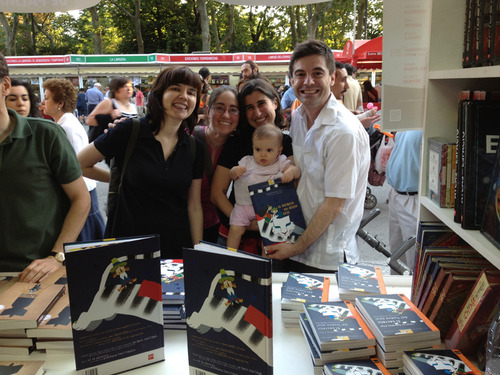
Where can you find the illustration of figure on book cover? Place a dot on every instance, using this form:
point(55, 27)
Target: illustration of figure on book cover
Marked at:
point(392, 305)
point(308, 282)
point(276, 226)
point(450, 365)
point(232, 304)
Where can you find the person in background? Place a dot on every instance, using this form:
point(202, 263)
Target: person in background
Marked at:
point(60, 102)
point(22, 99)
point(369, 92)
point(161, 188)
point(267, 163)
point(93, 97)
point(43, 199)
point(353, 98)
point(81, 106)
point(205, 76)
point(117, 106)
point(286, 103)
point(259, 104)
point(205, 96)
point(332, 150)
point(249, 70)
point(223, 117)
point(402, 173)
point(139, 100)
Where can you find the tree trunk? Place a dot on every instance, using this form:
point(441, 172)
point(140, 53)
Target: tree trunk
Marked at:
point(293, 30)
point(312, 22)
point(138, 29)
point(360, 18)
point(10, 33)
point(96, 24)
point(215, 30)
point(205, 25)
point(298, 18)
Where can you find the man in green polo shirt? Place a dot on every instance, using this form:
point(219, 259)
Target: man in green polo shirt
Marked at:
point(43, 199)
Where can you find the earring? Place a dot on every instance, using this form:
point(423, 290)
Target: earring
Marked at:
point(59, 108)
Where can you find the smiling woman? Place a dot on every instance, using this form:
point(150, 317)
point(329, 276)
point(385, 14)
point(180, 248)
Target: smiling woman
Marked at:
point(160, 192)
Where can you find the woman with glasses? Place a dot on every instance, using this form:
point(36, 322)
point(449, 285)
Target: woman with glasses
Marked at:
point(223, 116)
point(259, 104)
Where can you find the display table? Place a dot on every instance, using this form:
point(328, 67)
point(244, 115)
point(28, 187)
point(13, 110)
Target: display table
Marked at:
point(291, 355)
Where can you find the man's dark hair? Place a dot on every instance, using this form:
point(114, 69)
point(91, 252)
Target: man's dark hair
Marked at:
point(4, 69)
point(204, 72)
point(254, 67)
point(351, 69)
point(312, 47)
point(339, 65)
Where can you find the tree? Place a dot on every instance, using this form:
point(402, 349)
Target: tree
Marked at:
point(10, 29)
point(135, 17)
point(96, 24)
point(205, 25)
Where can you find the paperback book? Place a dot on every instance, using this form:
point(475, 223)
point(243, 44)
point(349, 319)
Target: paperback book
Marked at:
point(229, 311)
point(370, 366)
point(116, 303)
point(301, 288)
point(356, 280)
point(172, 281)
point(278, 212)
point(436, 362)
point(22, 367)
point(56, 323)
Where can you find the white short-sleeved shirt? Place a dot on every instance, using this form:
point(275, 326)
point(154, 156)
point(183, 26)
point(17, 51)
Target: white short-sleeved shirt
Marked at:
point(256, 173)
point(334, 158)
point(77, 137)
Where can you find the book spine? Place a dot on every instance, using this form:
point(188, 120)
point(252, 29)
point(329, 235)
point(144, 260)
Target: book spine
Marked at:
point(419, 313)
point(469, 170)
point(453, 176)
point(469, 364)
point(326, 290)
point(449, 158)
point(457, 217)
point(380, 279)
point(360, 320)
point(434, 290)
point(443, 176)
point(380, 366)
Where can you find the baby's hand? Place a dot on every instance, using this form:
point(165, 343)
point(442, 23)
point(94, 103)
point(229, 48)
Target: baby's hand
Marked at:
point(237, 172)
point(287, 176)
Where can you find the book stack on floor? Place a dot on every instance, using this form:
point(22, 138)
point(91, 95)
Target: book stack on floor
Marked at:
point(335, 331)
point(23, 307)
point(397, 325)
point(172, 285)
point(357, 280)
point(298, 289)
point(445, 362)
point(364, 366)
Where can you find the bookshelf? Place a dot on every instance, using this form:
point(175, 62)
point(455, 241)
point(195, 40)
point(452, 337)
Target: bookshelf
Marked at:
point(445, 80)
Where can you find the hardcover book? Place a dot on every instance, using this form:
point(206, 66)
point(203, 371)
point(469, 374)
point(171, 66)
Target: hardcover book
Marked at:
point(470, 327)
point(229, 310)
point(300, 288)
point(438, 154)
point(436, 362)
point(22, 367)
point(278, 212)
point(116, 303)
point(394, 319)
point(337, 325)
point(172, 281)
point(355, 280)
point(370, 366)
point(56, 323)
point(490, 226)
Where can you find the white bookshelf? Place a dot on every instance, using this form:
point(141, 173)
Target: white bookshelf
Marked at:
point(445, 80)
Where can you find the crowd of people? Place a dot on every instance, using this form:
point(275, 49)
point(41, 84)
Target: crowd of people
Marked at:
point(192, 142)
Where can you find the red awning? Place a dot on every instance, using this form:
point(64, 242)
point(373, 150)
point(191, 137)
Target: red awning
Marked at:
point(367, 54)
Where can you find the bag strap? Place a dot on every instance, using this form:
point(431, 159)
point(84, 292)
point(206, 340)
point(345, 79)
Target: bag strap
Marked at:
point(136, 126)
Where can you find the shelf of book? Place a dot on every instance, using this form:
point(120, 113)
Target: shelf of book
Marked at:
point(473, 237)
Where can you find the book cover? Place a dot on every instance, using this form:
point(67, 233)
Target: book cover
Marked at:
point(278, 212)
point(322, 357)
point(172, 281)
point(370, 366)
point(116, 303)
point(56, 323)
point(453, 176)
point(22, 367)
point(337, 325)
point(229, 310)
point(393, 318)
point(469, 329)
point(435, 362)
point(449, 169)
point(303, 288)
point(438, 153)
point(482, 136)
point(451, 297)
point(354, 280)
point(23, 305)
point(490, 226)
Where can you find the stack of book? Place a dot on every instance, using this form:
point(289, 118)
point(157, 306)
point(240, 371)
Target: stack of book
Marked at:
point(397, 325)
point(172, 285)
point(437, 362)
point(298, 289)
point(357, 280)
point(24, 306)
point(13, 367)
point(364, 366)
point(335, 331)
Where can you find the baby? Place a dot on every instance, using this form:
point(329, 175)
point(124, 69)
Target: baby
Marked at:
point(265, 164)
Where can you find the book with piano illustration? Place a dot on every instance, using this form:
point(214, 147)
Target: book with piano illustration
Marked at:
point(278, 212)
point(116, 303)
point(229, 311)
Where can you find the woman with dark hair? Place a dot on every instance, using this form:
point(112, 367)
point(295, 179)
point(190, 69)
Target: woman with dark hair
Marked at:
point(117, 105)
point(160, 192)
point(259, 104)
point(22, 99)
point(223, 116)
point(59, 102)
point(369, 92)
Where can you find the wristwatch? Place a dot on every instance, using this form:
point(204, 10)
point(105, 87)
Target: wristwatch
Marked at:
point(59, 255)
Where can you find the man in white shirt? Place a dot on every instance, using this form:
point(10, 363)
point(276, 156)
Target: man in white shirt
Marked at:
point(353, 98)
point(332, 151)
